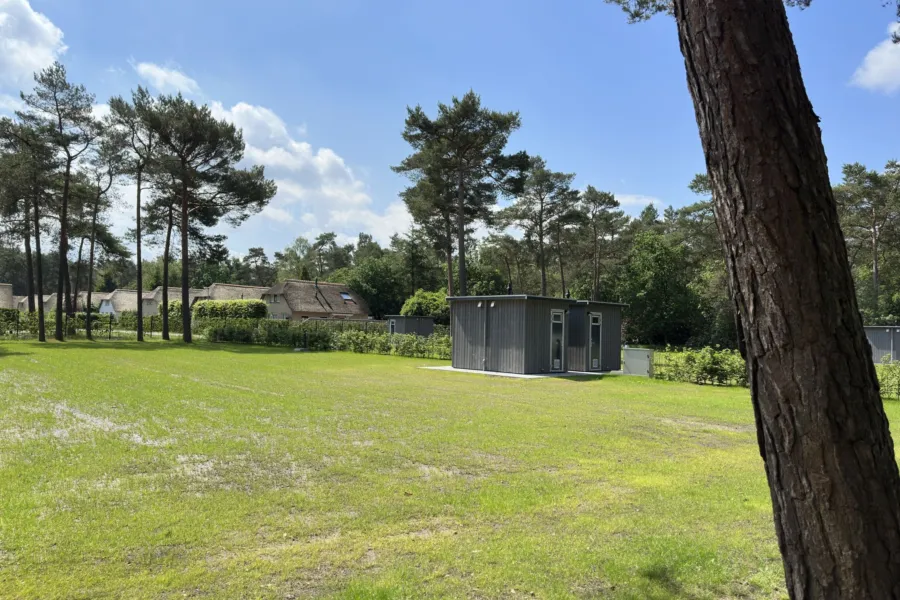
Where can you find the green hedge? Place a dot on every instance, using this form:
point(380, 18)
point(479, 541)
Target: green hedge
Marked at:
point(308, 335)
point(706, 366)
point(229, 309)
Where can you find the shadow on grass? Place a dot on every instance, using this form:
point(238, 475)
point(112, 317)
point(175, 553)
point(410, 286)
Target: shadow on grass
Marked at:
point(147, 346)
point(663, 576)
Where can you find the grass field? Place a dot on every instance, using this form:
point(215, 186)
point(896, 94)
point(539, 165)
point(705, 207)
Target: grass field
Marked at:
point(159, 471)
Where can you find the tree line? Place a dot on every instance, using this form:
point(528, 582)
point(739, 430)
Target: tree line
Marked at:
point(60, 166)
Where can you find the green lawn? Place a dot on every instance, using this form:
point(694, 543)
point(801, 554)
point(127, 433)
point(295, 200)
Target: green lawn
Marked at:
point(160, 471)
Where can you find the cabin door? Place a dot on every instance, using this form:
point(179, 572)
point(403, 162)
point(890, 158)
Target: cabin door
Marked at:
point(557, 341)
point(594, 358)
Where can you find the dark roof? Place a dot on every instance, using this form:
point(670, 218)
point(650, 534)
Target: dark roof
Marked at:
point(324, 297)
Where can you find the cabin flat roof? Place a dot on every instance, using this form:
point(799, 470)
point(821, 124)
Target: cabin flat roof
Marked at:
point(531, 297)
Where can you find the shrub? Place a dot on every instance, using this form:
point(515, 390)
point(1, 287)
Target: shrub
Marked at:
point(428, 304)
point(230, 309)
point(706, 366)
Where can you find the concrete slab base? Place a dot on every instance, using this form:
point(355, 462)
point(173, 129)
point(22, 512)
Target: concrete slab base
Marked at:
point(519, 375)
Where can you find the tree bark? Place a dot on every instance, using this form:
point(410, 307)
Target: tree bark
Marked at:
point(542, 259)
point(165, 284)
point(140, 283)
point(42, 336)
point(822, 431)
point(63, 252)
point(90, 285)
point(185, 271)
point(29, 260)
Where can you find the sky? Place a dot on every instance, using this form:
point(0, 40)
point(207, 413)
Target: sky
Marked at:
point(321, 89)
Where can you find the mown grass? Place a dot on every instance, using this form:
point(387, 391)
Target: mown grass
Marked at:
point(160, 471)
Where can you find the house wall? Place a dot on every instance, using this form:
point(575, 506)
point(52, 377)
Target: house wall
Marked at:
point(610, 337)
point(6, 295)
point(467, 328)
point(537, 333)
point(280, 309)
point(505, 336)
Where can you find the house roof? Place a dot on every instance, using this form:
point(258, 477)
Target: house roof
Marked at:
point(321, 297)
point(49, 300)
point(229, 291)
point(174, 294)
point(123, 300)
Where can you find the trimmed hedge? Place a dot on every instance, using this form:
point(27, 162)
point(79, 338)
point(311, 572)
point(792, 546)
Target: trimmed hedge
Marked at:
point(230, 309)
point(706, 366)
point(307, 335)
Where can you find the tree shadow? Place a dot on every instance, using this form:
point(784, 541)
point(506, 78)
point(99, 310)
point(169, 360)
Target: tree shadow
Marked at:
point(663, 576)
point(152, 346)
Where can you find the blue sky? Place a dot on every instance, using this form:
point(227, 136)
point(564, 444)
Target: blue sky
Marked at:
point(321, 88)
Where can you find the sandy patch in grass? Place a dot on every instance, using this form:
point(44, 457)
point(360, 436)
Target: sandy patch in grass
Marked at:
point(77, 421)
point(697, 424)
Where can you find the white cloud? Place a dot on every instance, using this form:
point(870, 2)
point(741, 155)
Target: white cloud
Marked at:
point(100, 110)
point(880, 69)
point(29, 42)
point(278, 215)
point(317, 190)
point(9, 104)
point(382, 226)
point(166, 79)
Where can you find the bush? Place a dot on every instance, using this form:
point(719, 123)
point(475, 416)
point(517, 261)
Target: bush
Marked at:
point(428, 304)
point(707, 366)
point(230, 309)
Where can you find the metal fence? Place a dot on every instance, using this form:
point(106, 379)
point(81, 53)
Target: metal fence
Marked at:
point(103, 327)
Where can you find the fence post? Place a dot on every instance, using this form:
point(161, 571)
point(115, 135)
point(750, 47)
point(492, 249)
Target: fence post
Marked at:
point(109, 334)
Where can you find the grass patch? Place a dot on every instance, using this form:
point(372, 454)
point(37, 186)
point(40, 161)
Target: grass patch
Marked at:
point(156, 470)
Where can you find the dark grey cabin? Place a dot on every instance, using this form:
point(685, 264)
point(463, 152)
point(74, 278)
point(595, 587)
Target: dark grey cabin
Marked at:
point(510, 334)
point(885, 342)
point(595, 336)
point(423, 326)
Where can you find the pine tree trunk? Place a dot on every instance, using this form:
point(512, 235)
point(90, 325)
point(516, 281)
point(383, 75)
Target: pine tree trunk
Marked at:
point(185, 270)
point(559, 256)
point(39, 259)
point(140, 274)
point(822, 431)
point(449, 253)
point(63, 252)
point(90, 286)
point(29, 260)
point(78, 274)
point(875, 272)
point(543, 260)
point(165, 284)
point(461, 236)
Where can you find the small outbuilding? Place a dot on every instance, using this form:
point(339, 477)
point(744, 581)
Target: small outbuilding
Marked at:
point(510, 334)
point(423, 326)
point(595, 336)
